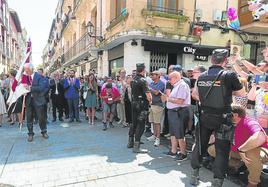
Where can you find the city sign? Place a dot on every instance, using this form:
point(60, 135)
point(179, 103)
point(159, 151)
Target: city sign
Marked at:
point(201, 58)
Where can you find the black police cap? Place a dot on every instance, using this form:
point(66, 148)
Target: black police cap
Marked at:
point(140, 65)
point(220, 53)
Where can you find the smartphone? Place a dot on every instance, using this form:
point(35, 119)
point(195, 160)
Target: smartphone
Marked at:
point(257, 79)
point(260, 78)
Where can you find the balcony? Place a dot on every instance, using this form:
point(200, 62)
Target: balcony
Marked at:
point(65, 23)
point(78, 50)
point(51, 53)
point(164, 10)
point(165, 20)
point(256, 27)
point(248, 24)
point(123, 16)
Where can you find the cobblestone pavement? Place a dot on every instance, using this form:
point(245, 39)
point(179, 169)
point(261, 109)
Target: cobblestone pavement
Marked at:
point(81, 155)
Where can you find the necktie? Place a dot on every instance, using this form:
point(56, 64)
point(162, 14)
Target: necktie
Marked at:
point(56, 92)
point(30, 80)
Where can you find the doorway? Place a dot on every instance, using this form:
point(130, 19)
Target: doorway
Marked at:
point(172, 59)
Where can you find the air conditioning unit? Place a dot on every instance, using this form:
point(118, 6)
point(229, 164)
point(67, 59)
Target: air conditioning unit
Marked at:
point(198, 13)
point(217, 15)
point(235, 49)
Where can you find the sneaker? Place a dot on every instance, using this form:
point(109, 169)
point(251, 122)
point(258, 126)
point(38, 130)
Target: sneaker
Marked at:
point(181, 157)
point(45, 136)
point(167, 135)
point(111, 125)
point(151, 138)
point(30, 138)
point(173, 155)
point(157, 142)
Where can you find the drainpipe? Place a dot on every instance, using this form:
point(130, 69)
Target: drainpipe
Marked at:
point(193, 22)
point(195, 4)
point(227, 5)
point(100, 17)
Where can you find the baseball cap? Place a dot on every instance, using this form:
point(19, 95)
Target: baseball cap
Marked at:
point(163, 70)
point(156, 72)
point(176, 67)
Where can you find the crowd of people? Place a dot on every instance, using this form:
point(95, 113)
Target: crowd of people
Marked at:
point(225, 108)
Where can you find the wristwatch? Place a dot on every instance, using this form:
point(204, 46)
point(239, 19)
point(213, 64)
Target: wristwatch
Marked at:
point(240, 150)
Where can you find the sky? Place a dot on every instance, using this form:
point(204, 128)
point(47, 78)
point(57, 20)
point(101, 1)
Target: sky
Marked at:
point(36, 16)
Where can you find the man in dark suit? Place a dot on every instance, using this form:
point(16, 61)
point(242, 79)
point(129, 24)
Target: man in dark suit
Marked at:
point(46, 80)
point(57, 97)
point(71, 87)
point(35, 100)
point(65, 102)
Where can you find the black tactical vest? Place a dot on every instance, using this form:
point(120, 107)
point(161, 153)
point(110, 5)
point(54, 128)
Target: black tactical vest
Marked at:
point(217, 97)
point(137, 88)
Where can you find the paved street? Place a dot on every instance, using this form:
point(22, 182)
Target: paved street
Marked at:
point(79, 155)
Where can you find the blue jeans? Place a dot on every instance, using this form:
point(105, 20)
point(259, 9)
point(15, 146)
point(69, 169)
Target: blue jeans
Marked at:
point(73, 108)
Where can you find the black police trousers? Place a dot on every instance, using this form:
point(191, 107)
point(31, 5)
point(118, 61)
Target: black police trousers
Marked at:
point(139, 118)
point(222, 152)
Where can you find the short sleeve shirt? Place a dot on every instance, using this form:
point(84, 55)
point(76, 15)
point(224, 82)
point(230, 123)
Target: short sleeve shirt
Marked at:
point(181, 90)
point(244, 130)
point(159, 86)
point(232, 82)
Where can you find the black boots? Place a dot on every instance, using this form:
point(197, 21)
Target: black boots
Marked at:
point(137, 149)
point(130, 142)
point(194, 180)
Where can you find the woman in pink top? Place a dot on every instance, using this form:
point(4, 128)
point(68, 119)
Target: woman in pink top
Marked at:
point(250, 145)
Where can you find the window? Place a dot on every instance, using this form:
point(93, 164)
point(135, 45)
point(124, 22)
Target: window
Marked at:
point(158, 60)
point(169, 6)
point(244, 9)
point(115, 66)
point(117, 6)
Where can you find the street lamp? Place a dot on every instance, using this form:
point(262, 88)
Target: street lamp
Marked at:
point(90, 28)
point(90, 31)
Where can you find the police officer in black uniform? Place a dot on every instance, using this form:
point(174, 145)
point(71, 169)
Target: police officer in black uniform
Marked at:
point(141, 99)
point(214, 90)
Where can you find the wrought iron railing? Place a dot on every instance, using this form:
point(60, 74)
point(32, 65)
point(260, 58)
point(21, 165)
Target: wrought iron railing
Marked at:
point(76, 4)
point(150, 7)
point(81, 46)
point(119, 17)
